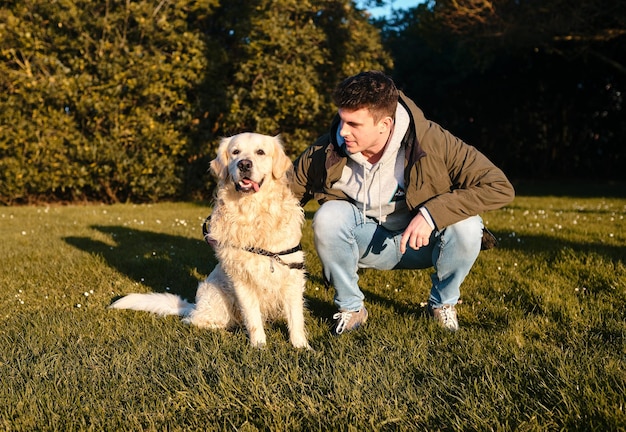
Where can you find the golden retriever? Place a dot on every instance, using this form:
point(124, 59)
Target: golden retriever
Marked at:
point(255, 230)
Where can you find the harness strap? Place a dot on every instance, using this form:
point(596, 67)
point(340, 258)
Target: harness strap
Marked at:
point(276, 256)
point(259, 251)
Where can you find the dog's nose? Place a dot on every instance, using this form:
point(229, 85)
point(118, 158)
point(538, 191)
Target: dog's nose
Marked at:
point(244, 165)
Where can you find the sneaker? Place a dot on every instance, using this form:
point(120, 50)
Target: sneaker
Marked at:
point(446, 316)
point(349, 320)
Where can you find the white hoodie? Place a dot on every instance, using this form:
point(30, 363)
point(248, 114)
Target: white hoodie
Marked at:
point(378, 189)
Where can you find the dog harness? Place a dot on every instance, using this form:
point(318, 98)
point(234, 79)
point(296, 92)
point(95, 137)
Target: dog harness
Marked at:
point(276, 256)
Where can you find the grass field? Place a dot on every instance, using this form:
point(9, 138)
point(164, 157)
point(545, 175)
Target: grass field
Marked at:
point(541, 345)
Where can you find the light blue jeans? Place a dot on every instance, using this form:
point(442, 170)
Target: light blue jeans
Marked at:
point(346, 241)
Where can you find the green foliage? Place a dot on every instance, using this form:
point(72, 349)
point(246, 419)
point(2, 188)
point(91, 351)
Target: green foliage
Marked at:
point(125, 100)
point(292, 54)
point(100, 98)
point(541, 345)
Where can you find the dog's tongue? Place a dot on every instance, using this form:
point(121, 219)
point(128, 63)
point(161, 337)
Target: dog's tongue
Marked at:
point(249, 182)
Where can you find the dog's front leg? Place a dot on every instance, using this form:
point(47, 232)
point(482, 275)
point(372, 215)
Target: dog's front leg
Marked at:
point(294, 310)
point(252, 318)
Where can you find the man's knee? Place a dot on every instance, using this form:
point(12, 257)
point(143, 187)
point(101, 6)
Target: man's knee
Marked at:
point(332, 217)
point(466, 235)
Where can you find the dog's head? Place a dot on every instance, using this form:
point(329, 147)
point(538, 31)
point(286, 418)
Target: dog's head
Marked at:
point(250, 159)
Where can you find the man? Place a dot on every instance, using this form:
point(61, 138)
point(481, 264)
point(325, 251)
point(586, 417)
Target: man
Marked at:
point(397, 191)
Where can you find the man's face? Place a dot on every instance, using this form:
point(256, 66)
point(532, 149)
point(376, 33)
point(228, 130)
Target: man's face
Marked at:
point(360, 133)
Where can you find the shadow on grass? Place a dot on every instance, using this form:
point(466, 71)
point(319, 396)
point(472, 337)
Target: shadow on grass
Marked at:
point(542, 244)
point(318, 306)
point(163, 262)
point(159, 261)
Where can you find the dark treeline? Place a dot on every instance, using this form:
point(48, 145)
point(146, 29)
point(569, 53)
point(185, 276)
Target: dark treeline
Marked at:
point(126, 100)
point(537, 85)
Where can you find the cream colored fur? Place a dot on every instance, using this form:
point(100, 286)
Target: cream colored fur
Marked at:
point(254, 208)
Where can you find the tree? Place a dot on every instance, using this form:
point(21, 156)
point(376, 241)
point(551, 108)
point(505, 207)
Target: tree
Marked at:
point(557, 26)
point(538, 86)
point(126, 100)
point(99, 97)
point(290, 55)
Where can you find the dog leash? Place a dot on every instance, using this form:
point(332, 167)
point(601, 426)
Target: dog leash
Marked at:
point(276, 256)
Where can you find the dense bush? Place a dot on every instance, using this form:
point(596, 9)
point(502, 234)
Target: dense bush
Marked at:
point(99, 99)
point(125, 100)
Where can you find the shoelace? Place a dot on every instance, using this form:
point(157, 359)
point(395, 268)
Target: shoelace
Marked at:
point(344, 319)
point(448, 315)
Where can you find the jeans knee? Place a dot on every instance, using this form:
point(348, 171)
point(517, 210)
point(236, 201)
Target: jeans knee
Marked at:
point(466, 235)
point(333, 218)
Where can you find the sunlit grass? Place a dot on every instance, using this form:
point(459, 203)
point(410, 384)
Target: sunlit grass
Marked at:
point(541, 345)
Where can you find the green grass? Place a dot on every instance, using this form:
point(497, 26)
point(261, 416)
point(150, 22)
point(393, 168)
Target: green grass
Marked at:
point(541, 345)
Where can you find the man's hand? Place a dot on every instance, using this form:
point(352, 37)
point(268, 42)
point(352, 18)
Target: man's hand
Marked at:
point(417, 234)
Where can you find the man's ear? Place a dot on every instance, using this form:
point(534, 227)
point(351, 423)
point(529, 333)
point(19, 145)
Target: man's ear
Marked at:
point(385, 124)
point(219, 165)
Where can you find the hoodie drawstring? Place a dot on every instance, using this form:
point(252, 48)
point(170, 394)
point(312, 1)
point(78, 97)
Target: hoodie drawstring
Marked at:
point(380, 194)
point(365, 189)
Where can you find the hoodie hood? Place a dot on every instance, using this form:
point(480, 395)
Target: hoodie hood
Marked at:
point(378, 189)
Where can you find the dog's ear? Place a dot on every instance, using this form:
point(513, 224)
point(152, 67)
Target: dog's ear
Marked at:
point(219, 165)
point(281, 163)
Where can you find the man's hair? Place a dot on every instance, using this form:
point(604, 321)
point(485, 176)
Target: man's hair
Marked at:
point(372, 90)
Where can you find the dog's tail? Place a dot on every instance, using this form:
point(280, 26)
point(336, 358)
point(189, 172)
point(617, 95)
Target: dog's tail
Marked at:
point(158, 303)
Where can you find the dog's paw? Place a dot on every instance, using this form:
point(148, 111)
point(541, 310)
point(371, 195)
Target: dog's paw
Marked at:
point(258, 344)
point(300, 343)
point(258, 339)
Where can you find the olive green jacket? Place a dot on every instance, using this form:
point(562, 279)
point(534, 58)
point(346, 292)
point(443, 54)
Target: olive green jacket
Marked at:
point(448, 177)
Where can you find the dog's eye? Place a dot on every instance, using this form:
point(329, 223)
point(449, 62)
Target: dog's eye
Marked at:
point(236, 152)
point(260, 152)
